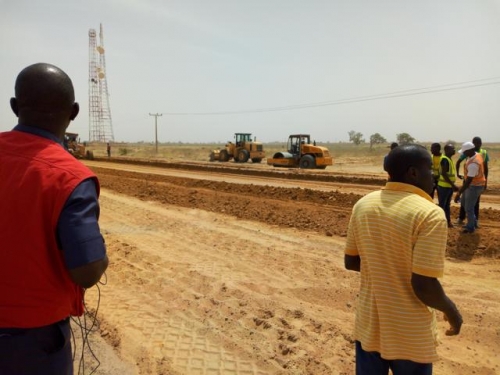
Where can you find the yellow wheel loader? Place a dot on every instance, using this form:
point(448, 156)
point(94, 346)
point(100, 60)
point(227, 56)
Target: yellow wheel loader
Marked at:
point(301, 153)
point(242, 150)
point(75, 148)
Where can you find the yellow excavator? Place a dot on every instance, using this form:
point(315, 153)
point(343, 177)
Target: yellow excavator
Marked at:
point(242, 150)
point(301, 153)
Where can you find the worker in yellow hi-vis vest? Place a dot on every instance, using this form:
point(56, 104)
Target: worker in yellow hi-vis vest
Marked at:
point(436, 162)
point(446, 182)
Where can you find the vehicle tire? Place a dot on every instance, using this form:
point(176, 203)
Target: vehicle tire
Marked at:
point(256, 160)
point(89, 155)
point(235, 158)
point(243, 156)
point(223, 156)
point(307, 162)
point(212, 156)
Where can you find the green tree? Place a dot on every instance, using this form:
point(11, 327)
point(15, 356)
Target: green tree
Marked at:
point(376, 139)
point(356, 137)
point(404, 138)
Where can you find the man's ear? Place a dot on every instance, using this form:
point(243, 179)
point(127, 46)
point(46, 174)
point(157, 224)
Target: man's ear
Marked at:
point(74, 111)
point(13, 105)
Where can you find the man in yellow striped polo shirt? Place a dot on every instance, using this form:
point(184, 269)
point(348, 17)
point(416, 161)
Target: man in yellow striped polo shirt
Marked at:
point(397, 240)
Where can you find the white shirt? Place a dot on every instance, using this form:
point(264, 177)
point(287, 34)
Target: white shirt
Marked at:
point(473, 168)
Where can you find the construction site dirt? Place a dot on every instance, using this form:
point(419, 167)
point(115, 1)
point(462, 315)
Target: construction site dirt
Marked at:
point(239, 271)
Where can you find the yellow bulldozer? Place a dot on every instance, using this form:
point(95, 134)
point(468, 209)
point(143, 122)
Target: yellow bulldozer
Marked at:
point(242, 150)
point(301, 153)
point(75, 148)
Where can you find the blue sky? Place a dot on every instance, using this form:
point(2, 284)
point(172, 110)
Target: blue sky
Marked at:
point(247, 59)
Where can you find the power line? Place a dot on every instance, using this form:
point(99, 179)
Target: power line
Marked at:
point(394, 94)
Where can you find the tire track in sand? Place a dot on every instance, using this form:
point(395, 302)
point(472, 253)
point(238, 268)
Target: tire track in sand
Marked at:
point(179, 303)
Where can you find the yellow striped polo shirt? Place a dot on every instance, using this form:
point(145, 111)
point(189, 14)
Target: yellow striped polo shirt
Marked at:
point(396, 231)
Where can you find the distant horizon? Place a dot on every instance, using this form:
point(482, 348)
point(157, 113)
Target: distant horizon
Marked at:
point(285, 141)
point(272, 68)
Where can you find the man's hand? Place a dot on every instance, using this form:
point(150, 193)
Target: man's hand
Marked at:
point(455, 320)
point(430, 292)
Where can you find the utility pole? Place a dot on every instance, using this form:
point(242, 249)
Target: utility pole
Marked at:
point(156, 127)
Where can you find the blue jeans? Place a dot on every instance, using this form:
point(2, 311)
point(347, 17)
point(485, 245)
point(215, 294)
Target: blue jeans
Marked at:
point(470, 197)
point(371, 363)
point(444, 198)
point(461, 215)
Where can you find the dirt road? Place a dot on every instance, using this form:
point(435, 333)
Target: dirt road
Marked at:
point(215, 277)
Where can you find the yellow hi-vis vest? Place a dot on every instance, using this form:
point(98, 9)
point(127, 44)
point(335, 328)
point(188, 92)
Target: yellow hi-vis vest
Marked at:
point(483, 153)
point(451, 173)
point(436, 162)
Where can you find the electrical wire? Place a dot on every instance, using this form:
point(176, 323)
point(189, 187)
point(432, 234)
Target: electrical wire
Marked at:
point(394, 94)
point(86, 327)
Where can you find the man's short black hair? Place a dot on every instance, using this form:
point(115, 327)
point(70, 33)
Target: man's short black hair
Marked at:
point(403, 157)
point(449, 146)
point(437, 145)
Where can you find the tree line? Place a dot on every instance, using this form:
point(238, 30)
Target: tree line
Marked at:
point(357, 138)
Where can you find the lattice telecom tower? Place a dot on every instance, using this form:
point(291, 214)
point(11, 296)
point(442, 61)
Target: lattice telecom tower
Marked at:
point(100, 126)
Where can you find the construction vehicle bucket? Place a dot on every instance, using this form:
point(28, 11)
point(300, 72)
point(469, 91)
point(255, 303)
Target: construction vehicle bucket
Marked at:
point(215, 155)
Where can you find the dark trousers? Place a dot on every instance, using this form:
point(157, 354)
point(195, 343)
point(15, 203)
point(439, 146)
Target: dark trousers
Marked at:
point(36, 351)
point(444, 198)
point(371, 363)
point(462, 215)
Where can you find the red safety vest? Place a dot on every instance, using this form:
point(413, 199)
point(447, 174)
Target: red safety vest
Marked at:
point(37, 176)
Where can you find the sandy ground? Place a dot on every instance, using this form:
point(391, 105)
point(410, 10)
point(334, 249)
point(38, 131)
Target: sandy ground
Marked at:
point(213, 277)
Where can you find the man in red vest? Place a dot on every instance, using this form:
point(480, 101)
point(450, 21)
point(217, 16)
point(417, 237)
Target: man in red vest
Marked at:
point(52, 248)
